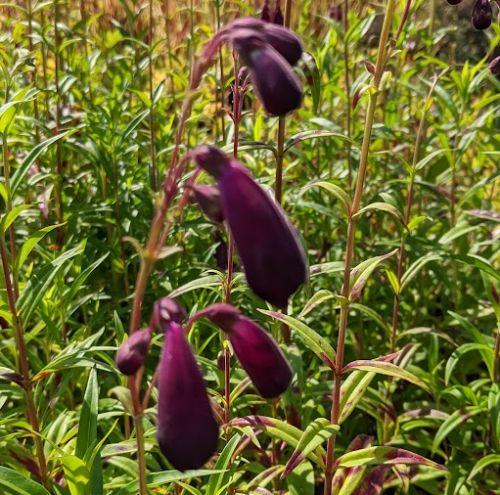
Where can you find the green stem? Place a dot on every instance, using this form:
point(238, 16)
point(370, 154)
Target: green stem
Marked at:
point(351, 233)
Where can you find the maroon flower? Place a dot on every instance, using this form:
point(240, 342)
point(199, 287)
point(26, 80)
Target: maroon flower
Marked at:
point(208, 199)
point(494, 66)
point(265, 14)
point(258, 353)
point(277, 86)
point(133, 352)
point(268, 245)
point(482, 14)
point(187, 430)
point(278, 15)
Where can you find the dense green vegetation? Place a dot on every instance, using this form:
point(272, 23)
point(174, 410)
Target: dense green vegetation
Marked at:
point(389, 167)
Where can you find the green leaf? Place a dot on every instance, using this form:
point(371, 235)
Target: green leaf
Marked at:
point(87, 425)
point(31, 242)
point(309, 337)
point(316, 300)
point(333, 189)
point(385, 368)
point(352, 391)
point(316, 433)
point(217, 480)
point(14, 482)
point(482, 464)
point(461, 351)
point(200, 283)
point(384, 455)
point(361, 273)
point(453, 421)
point(412, 271)
point(380, 206)
point(427, 159)
point(7, 219)
point(76, 474)
point(20, 173)
point(301, 480)
point(314, 134)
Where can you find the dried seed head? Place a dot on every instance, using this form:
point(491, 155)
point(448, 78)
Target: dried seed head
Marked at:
point(268, 245)
point(187, 430)
point(132, 354)
point(482, 14)
point(257, 352)
point(208, 199)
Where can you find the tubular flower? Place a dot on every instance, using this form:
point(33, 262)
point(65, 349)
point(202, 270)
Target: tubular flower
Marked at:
point(187, 430)
point(482, 14)
point(494, 66)
point(208, 199)
point(167, 309)
point(257, 352)
point(268, 245)
point(275, 83)
point(133, 352)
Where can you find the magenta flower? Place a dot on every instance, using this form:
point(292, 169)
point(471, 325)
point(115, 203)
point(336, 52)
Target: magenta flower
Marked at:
point(482, 14)
point(187, 430)
point(132, 354)
point(257, 352)
point(208, 199)
point(268, 245)
point(167, 309)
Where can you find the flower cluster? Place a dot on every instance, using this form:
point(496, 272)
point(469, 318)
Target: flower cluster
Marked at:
point(482, 13)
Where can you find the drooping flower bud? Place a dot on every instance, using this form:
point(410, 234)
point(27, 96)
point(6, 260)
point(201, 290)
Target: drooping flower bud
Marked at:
point(167, 309)
point(265, 14)
point(208, 199)
point(132, 354)
point(482, 14)
point(494, 66)
point(284, 41)
point(268, 245)
point(257, 352)
point(187, 430)
point(278, 15)
point(277, 86)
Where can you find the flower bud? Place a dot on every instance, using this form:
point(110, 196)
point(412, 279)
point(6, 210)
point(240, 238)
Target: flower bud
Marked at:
point(268, 245)
point(278, 15)
point(132, 354)
point(494, 66)
point(277, 86)
point(482, 14)
point(208, 199)
point(167, 309)
point(187, 430)
point(284, 41)
point(257, 352)
point(265, 14)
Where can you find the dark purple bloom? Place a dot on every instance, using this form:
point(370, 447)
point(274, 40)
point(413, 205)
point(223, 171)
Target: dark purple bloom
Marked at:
point(208, 199)
point(265, 14)
point(482, 14)
point(257, 352)
point(187, 430)
point(335, 13)
point(282, 39)
point(133, 352)
point(494, 66)
point(277, 86)
point(278, 15)
point(268, 245)
point(167, 309)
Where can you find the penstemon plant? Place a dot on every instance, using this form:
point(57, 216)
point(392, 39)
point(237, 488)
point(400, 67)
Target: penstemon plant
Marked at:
point(298, 227)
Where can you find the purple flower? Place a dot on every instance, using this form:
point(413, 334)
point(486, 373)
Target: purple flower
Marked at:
point(132, 354)
point(494, 66)
point(278, 15)
point(187, 430)
point(482, 14)
point(265, 14)
point(268, 245)
point(284, 41)
point(208, 199)
point(257, 352)
point(167, 309)
point(275, 83)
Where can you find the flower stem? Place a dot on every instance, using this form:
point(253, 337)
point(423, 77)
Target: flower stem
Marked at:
point(152, 147)
point(351, 232)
